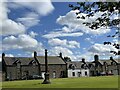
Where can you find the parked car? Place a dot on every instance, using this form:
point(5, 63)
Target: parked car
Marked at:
point(37, 77)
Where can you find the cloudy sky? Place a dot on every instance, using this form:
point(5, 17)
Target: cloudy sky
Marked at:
point(34, 26)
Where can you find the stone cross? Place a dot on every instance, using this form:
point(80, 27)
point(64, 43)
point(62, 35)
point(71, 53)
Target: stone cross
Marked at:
point(46, 80)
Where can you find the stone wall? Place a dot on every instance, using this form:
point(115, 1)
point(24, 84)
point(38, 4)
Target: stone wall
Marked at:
point(18, 73)
point(55, 71)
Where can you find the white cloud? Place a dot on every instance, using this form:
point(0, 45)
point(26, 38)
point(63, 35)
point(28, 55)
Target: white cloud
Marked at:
point(102, 49)
point(64, 43)
point(43, 7)
point(33, 34)
point(62, 34)
point(87, 55)
point(10, 27)
point(89, 40)
point(68, 53)
point(9, 55)
point(39, 48)
point(29, 20)
point(65, 51)
point(74, 27)
point(20, 42)
point(3, 11)
point(37, 9)
point(77, 24)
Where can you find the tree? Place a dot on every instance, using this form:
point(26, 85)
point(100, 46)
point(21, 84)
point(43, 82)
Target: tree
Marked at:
point(67, 59)
point(109, 9)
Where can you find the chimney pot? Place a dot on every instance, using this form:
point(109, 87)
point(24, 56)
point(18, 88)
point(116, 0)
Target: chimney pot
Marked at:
point(35, 53)
point(111, 58)
point(3, 54)
point(83, 60)
point(96, 58)
point(60, 54)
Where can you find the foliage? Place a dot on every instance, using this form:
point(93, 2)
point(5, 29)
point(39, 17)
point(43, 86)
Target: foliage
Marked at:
point(67, 59)
point(109, 9)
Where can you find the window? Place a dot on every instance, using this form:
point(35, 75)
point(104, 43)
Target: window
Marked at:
point(113, 63)
point(111, 71)
point(73, 73)
point(79, 73)
point(85, 73)
point(62, 74)
point(18, 65)
point(54, 74)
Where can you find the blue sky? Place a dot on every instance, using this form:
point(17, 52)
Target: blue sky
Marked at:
point(35, 26)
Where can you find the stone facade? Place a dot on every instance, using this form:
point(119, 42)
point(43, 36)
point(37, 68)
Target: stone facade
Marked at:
point(104, 67)
point(16, 68)
point(55, 71)
point(95, 68)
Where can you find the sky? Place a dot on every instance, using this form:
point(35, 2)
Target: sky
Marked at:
point(35, 26)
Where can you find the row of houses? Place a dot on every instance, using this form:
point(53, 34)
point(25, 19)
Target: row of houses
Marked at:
point(94, 68)
point(16, 68)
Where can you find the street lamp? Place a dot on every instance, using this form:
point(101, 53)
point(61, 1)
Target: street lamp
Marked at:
point(46, 80)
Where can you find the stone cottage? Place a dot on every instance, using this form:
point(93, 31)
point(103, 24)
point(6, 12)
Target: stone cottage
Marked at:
point(16, 68)
point(104, 67)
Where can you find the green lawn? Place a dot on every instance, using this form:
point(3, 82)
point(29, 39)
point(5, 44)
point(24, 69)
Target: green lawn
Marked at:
point(82, 82)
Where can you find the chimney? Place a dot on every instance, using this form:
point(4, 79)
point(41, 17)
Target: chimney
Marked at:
point(3, 55)
point(60, 55)
point(35, 54)
point(96, 58)
point(83, 60)
point(111, 58)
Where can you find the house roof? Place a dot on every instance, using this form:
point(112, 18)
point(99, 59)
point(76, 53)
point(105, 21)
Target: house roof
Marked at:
point(109, 61)
point(77, 64)
point(23, 60)
point(27, 60)
point(51, 60)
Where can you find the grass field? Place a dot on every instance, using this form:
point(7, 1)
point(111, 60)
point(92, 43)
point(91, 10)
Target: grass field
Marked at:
point(82, 82)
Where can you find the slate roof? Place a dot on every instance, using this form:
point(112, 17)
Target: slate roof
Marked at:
point(51, 60)
point(27, 60)
point(77, 64)
point(23, 60)
point(109, 61)
point(117, 60)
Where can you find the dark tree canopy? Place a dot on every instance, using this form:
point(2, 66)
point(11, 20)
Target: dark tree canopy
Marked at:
point(109, 9)
point(67, 59)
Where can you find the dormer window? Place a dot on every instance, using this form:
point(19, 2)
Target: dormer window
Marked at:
point(18, 64)
point(33, 62)
point(105, 63)
point(71, 66)
point(113, 63)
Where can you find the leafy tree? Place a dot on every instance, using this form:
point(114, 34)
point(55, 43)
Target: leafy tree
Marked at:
point(67, 59)
point(109, 9)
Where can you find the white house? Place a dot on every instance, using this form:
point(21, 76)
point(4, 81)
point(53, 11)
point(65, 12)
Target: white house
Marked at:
point(77, 69)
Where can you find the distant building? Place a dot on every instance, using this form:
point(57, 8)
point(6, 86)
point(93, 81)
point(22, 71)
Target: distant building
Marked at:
point(15, 68)
point(95, 68)
point(77, 68)
point(104, 67)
